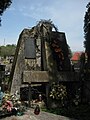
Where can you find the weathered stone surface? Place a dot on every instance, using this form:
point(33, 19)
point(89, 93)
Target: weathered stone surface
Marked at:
point(42, 116)
point(43, 76)
point(68, 76)
point(35, 76)
point(44, 59)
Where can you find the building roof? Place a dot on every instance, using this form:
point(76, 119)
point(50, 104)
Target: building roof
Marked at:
point(76, 56)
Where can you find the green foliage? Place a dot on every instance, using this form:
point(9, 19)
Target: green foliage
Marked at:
point(87, 28)
point(81, 112)
point(58, 92)
point(4, 4)
point(60, 49)
point(7, 50)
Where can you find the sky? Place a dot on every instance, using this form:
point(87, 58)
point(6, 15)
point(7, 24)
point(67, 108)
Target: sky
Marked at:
point(66, 15)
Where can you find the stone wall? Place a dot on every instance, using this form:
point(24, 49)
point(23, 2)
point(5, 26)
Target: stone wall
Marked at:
point(19, 66)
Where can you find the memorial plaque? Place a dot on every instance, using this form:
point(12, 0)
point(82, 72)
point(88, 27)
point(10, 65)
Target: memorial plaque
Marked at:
point(30, 50)
point(35, 77)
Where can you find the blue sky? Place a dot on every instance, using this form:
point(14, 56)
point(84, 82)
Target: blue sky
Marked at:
point(67, 15)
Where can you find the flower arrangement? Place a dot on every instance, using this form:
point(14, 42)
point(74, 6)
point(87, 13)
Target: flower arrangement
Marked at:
point(58, 92)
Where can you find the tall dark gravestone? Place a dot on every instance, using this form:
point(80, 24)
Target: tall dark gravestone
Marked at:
point(34, 61)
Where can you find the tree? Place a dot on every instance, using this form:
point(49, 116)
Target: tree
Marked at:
point(7, 50)
point(87, 32)
point(4, 4)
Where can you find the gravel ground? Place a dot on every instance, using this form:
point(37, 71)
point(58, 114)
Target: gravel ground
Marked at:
point(29, 115)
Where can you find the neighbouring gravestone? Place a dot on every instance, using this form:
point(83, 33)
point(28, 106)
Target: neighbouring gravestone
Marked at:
point(2, 74)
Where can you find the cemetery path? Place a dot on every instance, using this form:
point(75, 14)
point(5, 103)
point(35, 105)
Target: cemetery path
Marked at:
point(29, 115)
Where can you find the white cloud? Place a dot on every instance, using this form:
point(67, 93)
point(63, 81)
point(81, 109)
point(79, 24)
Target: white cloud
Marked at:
point(11, 9)
point(66, 15)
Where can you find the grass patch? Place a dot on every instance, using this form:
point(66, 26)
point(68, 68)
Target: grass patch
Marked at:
point(81, 112)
